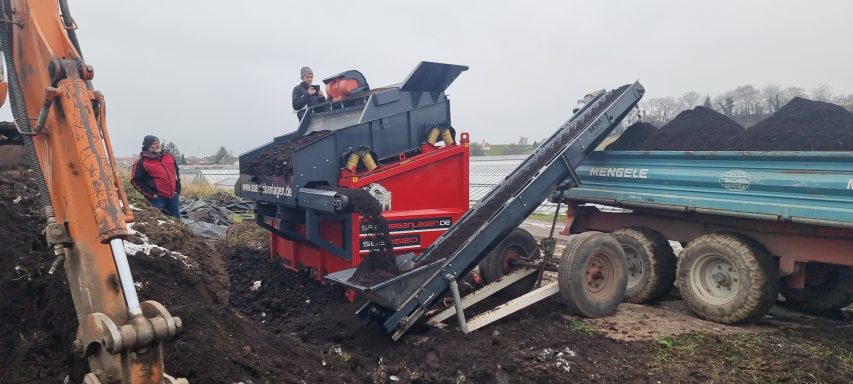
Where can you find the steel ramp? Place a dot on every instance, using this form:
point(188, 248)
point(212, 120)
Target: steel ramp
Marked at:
point(549, 287)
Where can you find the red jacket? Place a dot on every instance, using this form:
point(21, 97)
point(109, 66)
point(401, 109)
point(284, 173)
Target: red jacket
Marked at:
point(156, 176)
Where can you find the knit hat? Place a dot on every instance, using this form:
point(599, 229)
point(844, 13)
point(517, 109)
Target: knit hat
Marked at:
point(148, 140)
point(304, 71)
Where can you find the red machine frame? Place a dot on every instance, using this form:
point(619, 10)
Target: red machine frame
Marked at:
point(429, 193)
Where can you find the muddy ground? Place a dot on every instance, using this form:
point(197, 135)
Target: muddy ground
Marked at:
point(248, 319)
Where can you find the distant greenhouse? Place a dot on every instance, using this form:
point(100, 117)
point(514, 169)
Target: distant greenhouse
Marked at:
point(220, 177)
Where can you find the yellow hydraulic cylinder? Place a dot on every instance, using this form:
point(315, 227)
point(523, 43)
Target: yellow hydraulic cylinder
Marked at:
point(368, 161)
point(433, 135)
point(447, 136)
point(352, 161)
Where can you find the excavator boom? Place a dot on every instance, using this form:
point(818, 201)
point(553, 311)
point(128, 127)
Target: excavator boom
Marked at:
point(62, 121)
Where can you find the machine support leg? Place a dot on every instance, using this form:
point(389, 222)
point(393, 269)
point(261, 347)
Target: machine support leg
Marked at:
point(125, 278)
point(457, 302)
point(549, 244)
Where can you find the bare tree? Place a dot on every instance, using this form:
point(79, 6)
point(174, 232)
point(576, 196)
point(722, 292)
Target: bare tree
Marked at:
point(790, 93)
point(772, 96)
point(690, 100)
point(172, 148)
point(745, 98)
point(221, 156)
point(725, 103)
point(660, 109)
point(823, 93)
point(843, 100)
point(669, 108)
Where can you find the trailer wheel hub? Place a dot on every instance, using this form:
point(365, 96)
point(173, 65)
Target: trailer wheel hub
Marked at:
point(716, 278)
point(634, 265)
point(511, 257)
point(597, 274)
point(722, 278)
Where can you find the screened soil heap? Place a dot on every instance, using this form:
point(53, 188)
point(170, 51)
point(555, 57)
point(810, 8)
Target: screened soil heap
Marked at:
point(636, 133)
point(279, 159)
point(801, 125)
point(698, 129)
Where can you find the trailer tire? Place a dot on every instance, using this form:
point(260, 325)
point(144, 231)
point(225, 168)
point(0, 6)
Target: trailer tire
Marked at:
point(650, 262)
point(519, 245)
point(727, 278)
point(832, 290)
point(592, 274)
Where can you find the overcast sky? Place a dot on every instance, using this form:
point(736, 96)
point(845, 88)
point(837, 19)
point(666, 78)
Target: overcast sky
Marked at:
point(211, 73)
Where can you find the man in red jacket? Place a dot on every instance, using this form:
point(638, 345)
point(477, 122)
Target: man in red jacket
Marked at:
point(155, 175)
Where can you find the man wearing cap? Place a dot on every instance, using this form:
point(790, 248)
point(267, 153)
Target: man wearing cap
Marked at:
point(304, 95)
point(155, 175)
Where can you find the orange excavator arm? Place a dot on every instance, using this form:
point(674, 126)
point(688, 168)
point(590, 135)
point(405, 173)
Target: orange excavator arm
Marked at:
point(62, 120)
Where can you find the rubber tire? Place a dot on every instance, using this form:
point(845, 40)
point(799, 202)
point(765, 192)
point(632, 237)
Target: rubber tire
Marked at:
point(658, 260)
point(492, 267)
point(834, 293)
point(571, 274)
point(757, 271)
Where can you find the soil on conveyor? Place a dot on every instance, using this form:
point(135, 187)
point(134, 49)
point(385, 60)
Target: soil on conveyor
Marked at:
point(632, 136)
point(800, 125)
point(378, 265)
point(247, 319)
point(698, 129)
point(279, 159)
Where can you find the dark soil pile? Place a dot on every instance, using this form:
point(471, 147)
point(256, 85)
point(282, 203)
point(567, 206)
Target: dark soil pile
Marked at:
point(698, 129)
point(801, 125)
point(37, 320)
point(293, 303)
point(200, 266)
point(279, 160)
point(378, 265)
point(634, 135)
point(218, 344)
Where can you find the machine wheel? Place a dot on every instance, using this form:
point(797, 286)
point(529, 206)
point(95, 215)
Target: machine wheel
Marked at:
point(828, 288)
point(727, 278)
point(650, 263)
point(518, 246)
point(592, 274)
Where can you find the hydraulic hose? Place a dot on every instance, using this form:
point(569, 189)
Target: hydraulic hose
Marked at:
point(71, 31)
point(19, 108)
point(70, 26)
